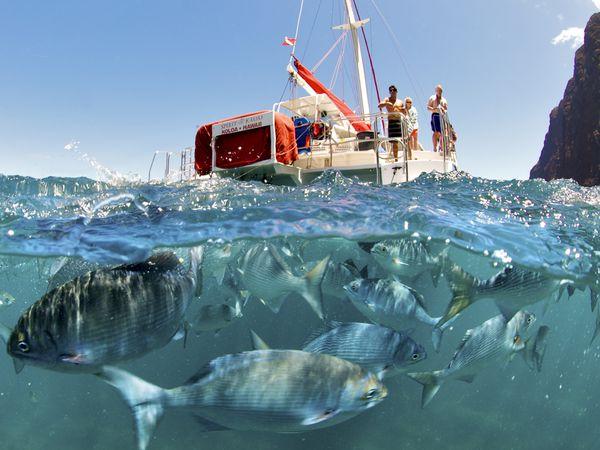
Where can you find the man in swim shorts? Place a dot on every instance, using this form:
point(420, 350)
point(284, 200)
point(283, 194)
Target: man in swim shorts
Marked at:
point(437, 105)
point(394, 108)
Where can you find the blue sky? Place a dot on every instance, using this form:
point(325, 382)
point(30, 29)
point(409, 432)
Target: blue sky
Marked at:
point(128, 78)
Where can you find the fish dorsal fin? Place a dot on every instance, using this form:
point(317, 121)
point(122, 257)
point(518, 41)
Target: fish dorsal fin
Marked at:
point(278, 259)
point(507, 311)
point(203, 372)
point(320, 331)
point(364, 273)
point(161, 262)
point(366, 246)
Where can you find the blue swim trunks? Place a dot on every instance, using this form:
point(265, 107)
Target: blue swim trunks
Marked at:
point(436, 123)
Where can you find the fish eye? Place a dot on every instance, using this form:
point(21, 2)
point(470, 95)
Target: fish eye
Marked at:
point(383, 248)
point(529, 320)
point(371, 394)
point(23, 346)
point(415, 356)
point(354, 287)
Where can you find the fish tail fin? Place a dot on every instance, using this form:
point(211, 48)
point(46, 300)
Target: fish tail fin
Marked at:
point(196, 258)
point(462, 286)
point(593, 298)
point(4, 333)
point(257, 342)
point(312, 287)
point(145, 400)
point(431, 381)
point(535, 349)
point(435, 275)
point(238, 308)
point(436, 337)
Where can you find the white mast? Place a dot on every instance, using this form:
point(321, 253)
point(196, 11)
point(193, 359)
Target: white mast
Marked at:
point(360, 70)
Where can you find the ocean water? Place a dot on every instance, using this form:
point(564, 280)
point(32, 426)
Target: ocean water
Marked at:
point(482, 225)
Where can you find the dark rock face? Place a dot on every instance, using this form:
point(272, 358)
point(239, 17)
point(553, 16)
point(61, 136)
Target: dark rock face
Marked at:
point(572, 144)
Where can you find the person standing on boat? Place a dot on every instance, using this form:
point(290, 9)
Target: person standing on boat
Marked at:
point(437, 105)
point(394, 108)
point(413, 119)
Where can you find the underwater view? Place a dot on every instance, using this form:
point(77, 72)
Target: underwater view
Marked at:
point(448, 312)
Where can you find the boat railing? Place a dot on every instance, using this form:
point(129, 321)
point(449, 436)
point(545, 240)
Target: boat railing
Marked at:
point(162, 163)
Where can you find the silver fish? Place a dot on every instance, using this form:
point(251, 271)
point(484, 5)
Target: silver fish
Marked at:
point(408, 258)
point(495, 339)
point(511, 289)
point(337, 276)
point(267, 276)
point(391, 303)
point(265, 390)
point(6, 299)
point(105, 316)
point(217, 317)
point(231, 287)
point(217, 257)
point(337, 249)
point(378, 349)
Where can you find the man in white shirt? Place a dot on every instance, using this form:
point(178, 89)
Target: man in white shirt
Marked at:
point(437, 105)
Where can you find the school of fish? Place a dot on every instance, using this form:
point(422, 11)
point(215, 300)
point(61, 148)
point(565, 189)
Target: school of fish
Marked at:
point(93, 318)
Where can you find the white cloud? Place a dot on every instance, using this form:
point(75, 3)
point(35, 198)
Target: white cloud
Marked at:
point(573, 35)
point(597, 3)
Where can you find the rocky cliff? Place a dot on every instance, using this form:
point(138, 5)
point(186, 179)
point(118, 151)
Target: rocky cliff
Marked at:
point(572, 144)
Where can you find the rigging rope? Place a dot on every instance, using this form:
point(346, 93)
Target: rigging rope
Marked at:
point(364, 35)
point(297, 29)
point(336, 70)
point(397, 44)
point(328, 52)
point(311, 30)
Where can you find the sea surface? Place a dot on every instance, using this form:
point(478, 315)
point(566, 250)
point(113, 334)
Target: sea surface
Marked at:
point(482, 225)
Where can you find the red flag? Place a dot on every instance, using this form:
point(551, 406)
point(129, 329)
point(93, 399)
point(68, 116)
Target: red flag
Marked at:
point(289, 41)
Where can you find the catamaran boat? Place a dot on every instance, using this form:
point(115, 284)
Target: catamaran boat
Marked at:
point(296, 140)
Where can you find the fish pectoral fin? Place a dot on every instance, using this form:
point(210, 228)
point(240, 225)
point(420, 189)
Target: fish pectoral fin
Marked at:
point(73, 358)
point(466, 378)
point(208, 425)
point(274, 304)
point(19, 365)
point(180, 334)
point(399, 262)
point(320, 417)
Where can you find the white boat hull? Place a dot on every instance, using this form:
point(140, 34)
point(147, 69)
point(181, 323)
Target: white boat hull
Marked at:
point(361, 165)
